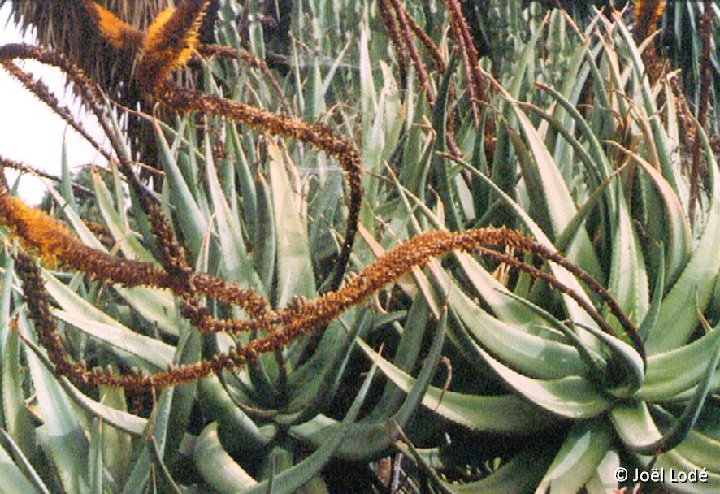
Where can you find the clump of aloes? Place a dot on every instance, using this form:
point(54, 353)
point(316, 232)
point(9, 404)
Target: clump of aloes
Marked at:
point(624, 402)
point(591, 388)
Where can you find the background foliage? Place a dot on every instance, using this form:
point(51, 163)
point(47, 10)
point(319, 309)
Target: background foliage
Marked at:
point(468, 375)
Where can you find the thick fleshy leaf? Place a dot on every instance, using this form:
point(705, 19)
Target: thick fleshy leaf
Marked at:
point(264, 234)
point(413, 333)
point(520, 474)
point(584, 448)
point(313, 385)
point(79, 309)
point(16, 419)
point(504, 414)
point(14, 482)
point(120, 419)
point(62, 435)
point(681, 427)
point(648, 102)
point(18, 422)
point(574, 310)
point(571, 397)
point(678, 315)
point(234, 260)
point(24, 465)
point(701, 449)
point(673, 372)
point(191, 219)
point(365, 440)
point(293, 478)
point(675, 462)
point(188, 351)
point(136, 349)
point(529, 354)
point(630, 420)
point(233, 422)
point(216, 466)
point(441, 172)
point(635, 425)
point(120, 231)
point(294, 272)
point(673, 223)
point(95, 458)
point(628, 280)
point(156, 306)
point(542, 175)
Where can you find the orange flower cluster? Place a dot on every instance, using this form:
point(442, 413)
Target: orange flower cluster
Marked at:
point(118, 33)
point(647, 13)
point(51, 241)
point(169, 42)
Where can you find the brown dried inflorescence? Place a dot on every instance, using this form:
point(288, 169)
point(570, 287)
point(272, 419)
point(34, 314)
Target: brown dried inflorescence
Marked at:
point(24, 168)
point(647, 15)
point(469, 54)
point(320, 136)
point(703, 100)
point(302, 317)
point(401, 28)
point(409, 45)
point(52, 242)
point(393, 31)
point(173, 36)
point(212, 50)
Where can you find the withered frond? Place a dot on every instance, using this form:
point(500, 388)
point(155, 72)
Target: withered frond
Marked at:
point(170, 41)
point(117, 32)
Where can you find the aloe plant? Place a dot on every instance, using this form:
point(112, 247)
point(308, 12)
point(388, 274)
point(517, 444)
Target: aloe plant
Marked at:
point(508, 371)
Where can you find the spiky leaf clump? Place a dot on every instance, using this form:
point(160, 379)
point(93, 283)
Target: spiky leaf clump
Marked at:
point(581, 362)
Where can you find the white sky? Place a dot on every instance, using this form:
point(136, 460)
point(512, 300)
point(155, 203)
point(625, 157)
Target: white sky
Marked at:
point(29, 131)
